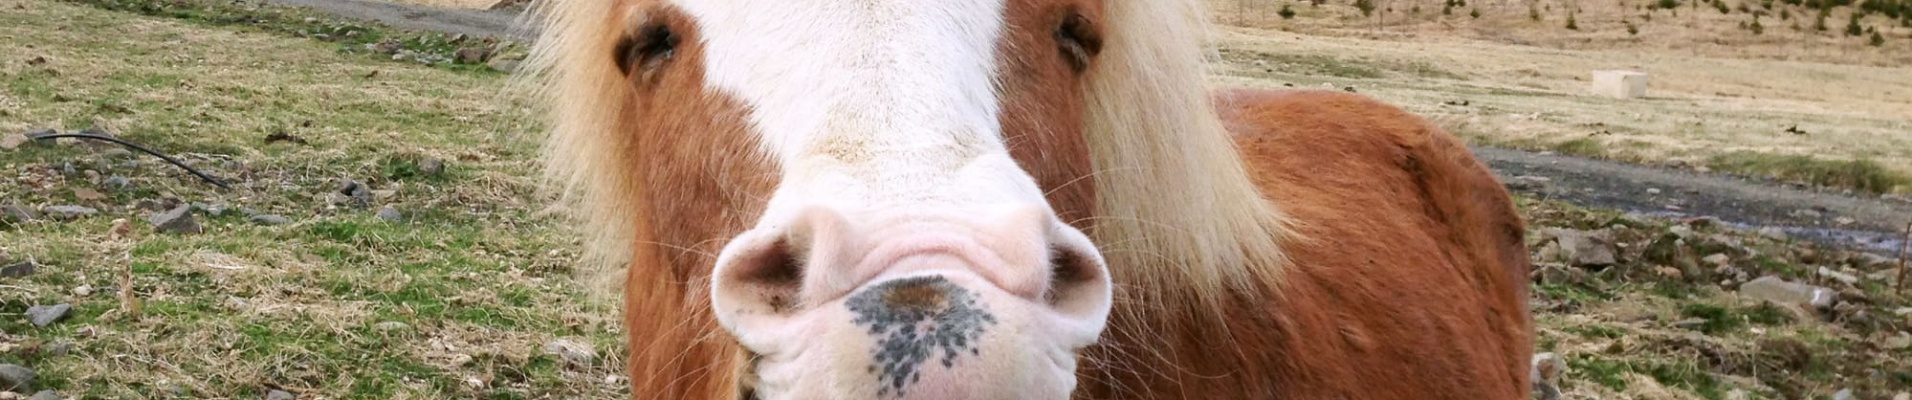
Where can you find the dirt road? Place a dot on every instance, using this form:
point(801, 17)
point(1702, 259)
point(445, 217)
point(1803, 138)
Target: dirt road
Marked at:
point(1868, 223)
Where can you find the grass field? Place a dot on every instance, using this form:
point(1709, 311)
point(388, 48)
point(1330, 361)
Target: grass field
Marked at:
point(477, 278)
point(462, 296)
point(1706, 110)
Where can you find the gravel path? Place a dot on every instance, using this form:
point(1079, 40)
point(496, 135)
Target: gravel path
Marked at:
point(1869, 223)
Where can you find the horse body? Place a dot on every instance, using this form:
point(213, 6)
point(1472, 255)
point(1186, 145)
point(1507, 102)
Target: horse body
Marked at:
point(1406, 279)
point(1023, 199)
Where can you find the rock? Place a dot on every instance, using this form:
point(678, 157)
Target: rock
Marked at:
point(19, 270)
point(1842, 394)
point(279, 395)
point(431, 167)
point(1702, 222)
point(460, 360)
point(11, 142)
point(270, 220)
point(118, 182)
point(1807, 214)
point(210, 209)
point(1556, 274)
point(179, 221)
point(472, 55)
point(390, 214)
point(571, 352)
point(1774, 233)
point(1869, 260)
point(69, 213)
point(1689, 323)
point(389, 326)
point(1619, 84)
point(59, 349)
point(1903, 396)
point(1528, 183)
point(1585, 249)
point(1778, 290)
point(1545, 374)
point(1653, 191)
point(1900, 342)
point(504, 65)
point(1843, 221)
point(1718, 260)
point(83, 290)
point(14, 378)
point(387, 46)
point(1846, 278)
point(353, 192)
point(47, 315)
point(46, 395)
point(18, 213)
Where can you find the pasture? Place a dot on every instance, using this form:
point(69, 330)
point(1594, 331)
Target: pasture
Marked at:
point(464, 288)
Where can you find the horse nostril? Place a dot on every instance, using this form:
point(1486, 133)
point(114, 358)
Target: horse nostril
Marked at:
point(774, 275)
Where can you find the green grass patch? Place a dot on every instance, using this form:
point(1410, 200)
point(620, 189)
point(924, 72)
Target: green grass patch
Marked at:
point(1861, 175)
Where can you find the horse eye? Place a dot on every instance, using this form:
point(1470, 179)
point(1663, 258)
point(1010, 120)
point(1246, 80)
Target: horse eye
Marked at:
point(1079, 41)
point(646, 50)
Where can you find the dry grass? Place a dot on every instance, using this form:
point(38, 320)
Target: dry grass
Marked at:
point(1698, 108)
point(479, 280)
point(473, 4)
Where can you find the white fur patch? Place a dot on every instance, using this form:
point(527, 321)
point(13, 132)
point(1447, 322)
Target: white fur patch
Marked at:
point(866, 103)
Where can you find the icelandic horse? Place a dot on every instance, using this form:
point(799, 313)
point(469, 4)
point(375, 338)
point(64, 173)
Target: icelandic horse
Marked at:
point(1013, 199)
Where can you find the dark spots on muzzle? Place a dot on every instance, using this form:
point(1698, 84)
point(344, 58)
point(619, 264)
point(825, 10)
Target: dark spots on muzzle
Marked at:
point(913, 318)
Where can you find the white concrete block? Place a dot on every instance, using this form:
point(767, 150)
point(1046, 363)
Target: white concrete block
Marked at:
point(1620, 84)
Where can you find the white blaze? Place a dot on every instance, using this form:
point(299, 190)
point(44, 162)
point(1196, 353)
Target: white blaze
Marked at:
point(867, 103)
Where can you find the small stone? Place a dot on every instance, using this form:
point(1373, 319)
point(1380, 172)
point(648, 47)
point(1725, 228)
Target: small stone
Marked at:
point(1829, 273)
point(1902, 396)
point(46, 315)
point(1689, 323)
point(354, 193)
point(390, 214)
point(46, 395)
point(1869, 260)
point(14, 378)
point(460, 360)
point(1718, 260)
point(59, 349)
point(1842, 221)
point(69, 213)
point(279, 395)
point(1842, 394)
point(1774, 233)
point(19, 270)
point(1652, 191)
point(118, 182)
point(1586, 249)
point(389, 326)
point(1547, 368)
point(472, 55)
point(388, 46)
point(270, 220)
point(432, 167)
point(1899, 342)
point(1703, 222)
point(18, 213)
point(210, 209)
point(1807, 214)
point(504, 65)
point(179, 221)
point(83, 290)
point(1778, 290)
point(571, 352)
point(1528, 183)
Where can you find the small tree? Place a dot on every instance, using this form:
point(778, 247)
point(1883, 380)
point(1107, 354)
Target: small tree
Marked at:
point(1819, 23)
point(1852, 25)
point(1366, 6)
point(1669, 4)
point(1756, 27)
point(1286, 13)
point(1785, 14)
point(1533, 13)
point(1877, 40)
point(1721, 6)
point(1570, 23)
point(1631, 30)
point(1476, 14)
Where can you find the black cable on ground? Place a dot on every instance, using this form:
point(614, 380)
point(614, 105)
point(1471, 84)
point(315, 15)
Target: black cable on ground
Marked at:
point(131, 145)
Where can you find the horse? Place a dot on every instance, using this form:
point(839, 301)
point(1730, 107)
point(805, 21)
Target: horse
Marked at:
point(1012, 199)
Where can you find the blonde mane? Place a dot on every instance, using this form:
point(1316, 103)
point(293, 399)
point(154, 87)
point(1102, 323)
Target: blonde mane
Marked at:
point(1178, 211)
point(1179, 219)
